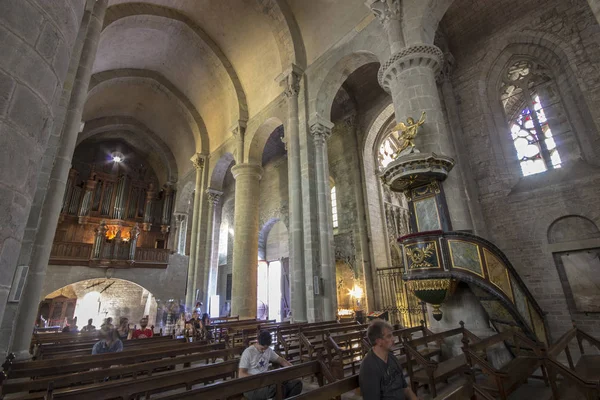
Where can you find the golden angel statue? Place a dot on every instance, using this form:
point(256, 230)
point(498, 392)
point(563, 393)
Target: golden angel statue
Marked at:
point(408, 132)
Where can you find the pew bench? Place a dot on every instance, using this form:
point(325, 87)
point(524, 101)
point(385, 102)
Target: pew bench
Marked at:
point(288, 340)
point(42, 368)
point(312, 341)
point(331, 390)
point(134, 371)
point(503, 381)
point(128, 389)
point(345, 352)
point(235, 388)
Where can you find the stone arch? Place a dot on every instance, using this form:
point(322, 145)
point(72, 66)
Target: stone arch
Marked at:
point(556, 55)
point(119, 11)
point(572, 227)
point(334, 79)
point(257, 141)
point(219, 171)
point(374, 211)
point(139, 132)
point(185, 196)
point(100, 77)
point(263, 235)
point(286, 32)
point(422, 19)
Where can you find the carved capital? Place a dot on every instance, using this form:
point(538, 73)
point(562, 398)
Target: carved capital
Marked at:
point(198, 161)
point(320, 128)
point(290, 80)
point(213, 196)
point(447, 68)
point(385, 10)
point(422, 55)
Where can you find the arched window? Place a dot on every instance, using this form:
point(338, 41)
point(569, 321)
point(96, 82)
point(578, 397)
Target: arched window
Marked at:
point(334, 213)
point(533, 111)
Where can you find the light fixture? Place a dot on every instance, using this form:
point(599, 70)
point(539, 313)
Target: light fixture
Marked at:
point(117, 157)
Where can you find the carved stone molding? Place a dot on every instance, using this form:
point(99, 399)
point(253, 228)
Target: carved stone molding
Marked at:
point(198, 160)
point(415, 170)
point(290, 80)
point(423, 55)
point(320, 128)
point(385, 10)
point(213, 196)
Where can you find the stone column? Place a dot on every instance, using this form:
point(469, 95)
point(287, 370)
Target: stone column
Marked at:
point(410, 77)
point(291, 80)
point(245, 241)
point(181, 230)
point(198, 161)
point(56, 186)
point(321, 130)
point(213, 196)
point(150, 194)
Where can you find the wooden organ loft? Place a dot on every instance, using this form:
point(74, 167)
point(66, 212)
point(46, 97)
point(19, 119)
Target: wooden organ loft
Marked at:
point(115, 218)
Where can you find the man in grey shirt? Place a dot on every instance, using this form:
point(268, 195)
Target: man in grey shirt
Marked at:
point(255, 360)
point(381, 376)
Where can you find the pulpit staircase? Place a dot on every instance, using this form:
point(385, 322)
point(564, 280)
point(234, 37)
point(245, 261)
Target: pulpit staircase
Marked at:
point(437, 256)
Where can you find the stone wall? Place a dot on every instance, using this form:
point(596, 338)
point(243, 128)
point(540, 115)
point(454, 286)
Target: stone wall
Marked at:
point(36, 40)
point(517, 210)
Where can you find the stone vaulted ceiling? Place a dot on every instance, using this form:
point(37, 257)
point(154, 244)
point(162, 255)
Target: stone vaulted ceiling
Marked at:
point(188, 70)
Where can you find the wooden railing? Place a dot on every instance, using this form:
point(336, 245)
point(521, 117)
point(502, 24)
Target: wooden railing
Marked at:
point(74, 253)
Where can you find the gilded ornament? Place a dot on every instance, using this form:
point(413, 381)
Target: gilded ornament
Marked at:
point(408, 133)
point(420, 257)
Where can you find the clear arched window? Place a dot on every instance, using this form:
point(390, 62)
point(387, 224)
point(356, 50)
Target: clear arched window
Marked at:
point(526, 97)
point(334, 213)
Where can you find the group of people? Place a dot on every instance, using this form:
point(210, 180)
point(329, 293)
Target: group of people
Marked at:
point(380, 377)
point(111, 337)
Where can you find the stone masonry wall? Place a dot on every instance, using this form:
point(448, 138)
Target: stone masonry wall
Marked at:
point(36, 40)
point(518, 211)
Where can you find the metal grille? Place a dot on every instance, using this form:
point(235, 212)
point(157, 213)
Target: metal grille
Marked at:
point(403, 307)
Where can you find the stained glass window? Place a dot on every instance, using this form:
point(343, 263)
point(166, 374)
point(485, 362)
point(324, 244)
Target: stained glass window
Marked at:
point(334, 207)
point(529, 127)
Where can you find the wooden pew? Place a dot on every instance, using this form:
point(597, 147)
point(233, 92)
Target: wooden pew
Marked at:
point(431, 371)
point(132, 370)
point(583, 376)
point(236, 387)
point(312, 340)
point(288, 340)
point(345, 351)
point(217, 320)
point(70, 350)
point(41, 368)
point(330, 390)
point(130, 388)
point(502, 382)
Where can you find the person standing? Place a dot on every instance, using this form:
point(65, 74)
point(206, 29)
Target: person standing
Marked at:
point(255, 360)
point(381, 376)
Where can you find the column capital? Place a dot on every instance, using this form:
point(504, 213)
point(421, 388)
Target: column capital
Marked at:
point(420, 55)
point(239, 127)
point(447, 67)
point(254, 170)
point(385, 10)
point(320, 128)
point(290, 80)
point(198, 160)
point(214, 196)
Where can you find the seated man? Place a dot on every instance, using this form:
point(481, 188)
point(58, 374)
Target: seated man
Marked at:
point(109, 342)
point(89, 327)
point(381, 376)
point(144, 331)
point(255, 360)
